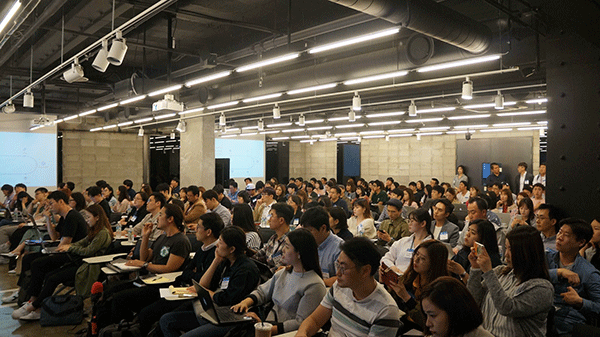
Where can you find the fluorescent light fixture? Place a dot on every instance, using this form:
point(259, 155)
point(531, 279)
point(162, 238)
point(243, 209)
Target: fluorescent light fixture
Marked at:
point(311, 141)
point(106, 107)
point(354, 40)
point(501, 125)
point(192, 111)
point(96, 129)
point(485, 105)
point(455, 118)
point(429, 134)
point(315, 88)
point(109, 127)
point(228, 136)
point(300, 137)
point(478, 126)
point(522, 113)
point(164, 116)
point(327, 139)
point(400, 130)
point(222, 105)
point(262, 98)
point(456, 132)
point(143, 120)
point(345, 134)
point(349, 138)
point(125, 123)
point(279, 125)
point(11, 12)
point(319, 128)
point(349, 126)
point(400, 135)
point(424, 111)
point(268, 62)
point(496, 130)
point(459, 63)
point(70, 118)
point(424, 120)
point(384, 114)
point(532, 101)
point(533, 128)
point(33, 128)
point(248, 134)
point(376, 77)
point(384, 123)
point(372, 137)
point(232, 130)
point(366, 133)
point(280, 138)
point(133, 99)
point(313, 121)
point(269, 132)
point(543, 122)
point(207, 78)
point(58, 121)
point(87, 113)
point(437, 128)
point(337, 119)
point(254, 127)
point(165, 90)
point(293, 130)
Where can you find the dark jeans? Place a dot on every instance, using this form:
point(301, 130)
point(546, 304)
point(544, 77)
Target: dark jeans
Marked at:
point(127, 299)
point(26, 265)
point(173, 323)
point(42, 267)
point(152, 313)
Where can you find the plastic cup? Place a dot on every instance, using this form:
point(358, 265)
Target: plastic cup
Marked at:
point(262, 329)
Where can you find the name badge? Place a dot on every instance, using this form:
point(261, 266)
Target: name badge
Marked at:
point(526, 182)
point(133, 218)
point(408, 254)
point(444, 236)
point(325, 275)
point(224, 283)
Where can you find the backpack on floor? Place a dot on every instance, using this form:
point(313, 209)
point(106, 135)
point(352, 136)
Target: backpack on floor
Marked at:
point(123, 329)
point(62, 310)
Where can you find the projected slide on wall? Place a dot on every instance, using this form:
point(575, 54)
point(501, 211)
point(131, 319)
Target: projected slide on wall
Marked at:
point(28, 157)
point(247, 157)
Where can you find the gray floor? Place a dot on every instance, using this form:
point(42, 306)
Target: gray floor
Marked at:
point(11, 327)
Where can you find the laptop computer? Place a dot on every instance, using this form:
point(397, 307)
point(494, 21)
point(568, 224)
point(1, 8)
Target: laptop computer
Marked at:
point(218, 315)
point(45, 249)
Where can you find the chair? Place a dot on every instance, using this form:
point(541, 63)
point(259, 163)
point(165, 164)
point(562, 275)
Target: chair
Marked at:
point(460, 207)
point(264, 271)
point(265, 234)
point(504, 219)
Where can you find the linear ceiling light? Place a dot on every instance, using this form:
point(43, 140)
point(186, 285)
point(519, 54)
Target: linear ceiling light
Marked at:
point(522, 113)
point(366, 133)
point(424, 120)
point(457, 132)
point(384, 123)
point(424, 111)
point(501, 125)
point(95, 129)
point(207, 78)
point(375, 136)
point(496, 130)
point(532, 101)
point(133, 99)
point(109, 127)
point(11, 12)
point(222, 105)
point(459, 63)
point(300, 137)
point(165, 90)
point(485, 105)
point(319, 128)
point(70, 118)
point(327, 139)
point(478, 126)
point(400, 135)
point(268, 62)
point(455, 118)
point(228, 136)
point(164, 116)
point(400, 130)
point(293, 130)
point(315, 88)
point(254, 127)
point(376, 77)
point(345, 134)
point(313, 121)
point(337, 119)
point(268, 132)
point(348, 126)
point(429, 134)
point(125, 123)
point(437, 128)
point(143, 120)
point(262, 98)
point(354, 40)
point(58, 121)
point(280, 138)
point(106, 107)
point(385, 114)
point(279, 125)
point(192, 111)
point(533, 128)
point(87, 113)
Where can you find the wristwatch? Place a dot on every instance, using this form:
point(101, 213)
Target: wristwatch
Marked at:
point(145, 265)
point(463, 274)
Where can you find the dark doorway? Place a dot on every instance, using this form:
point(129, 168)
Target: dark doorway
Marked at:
point(348, 162)
point(164, 159)
point(222, 172)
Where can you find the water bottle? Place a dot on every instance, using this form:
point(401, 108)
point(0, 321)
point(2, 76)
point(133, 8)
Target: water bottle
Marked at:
point(361, 230)
point(130, 234)
point(118, 230)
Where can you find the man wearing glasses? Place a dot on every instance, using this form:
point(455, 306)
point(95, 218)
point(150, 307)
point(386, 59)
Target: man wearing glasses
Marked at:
point(356, 304)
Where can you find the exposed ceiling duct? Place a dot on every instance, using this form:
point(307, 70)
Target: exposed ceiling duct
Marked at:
point(429, 18)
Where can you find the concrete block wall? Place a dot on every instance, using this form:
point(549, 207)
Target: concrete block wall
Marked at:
point(91, 156)
point(317, 160)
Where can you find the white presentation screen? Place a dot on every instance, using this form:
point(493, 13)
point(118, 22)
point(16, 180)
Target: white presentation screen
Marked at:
point(28, 158)
point(247, 157)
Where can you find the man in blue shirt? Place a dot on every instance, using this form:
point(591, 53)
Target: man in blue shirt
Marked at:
point(316, 221)
point(496, 176)
point(576, 281)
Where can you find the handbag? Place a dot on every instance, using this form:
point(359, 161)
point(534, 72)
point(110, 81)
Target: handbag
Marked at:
point(62, 310)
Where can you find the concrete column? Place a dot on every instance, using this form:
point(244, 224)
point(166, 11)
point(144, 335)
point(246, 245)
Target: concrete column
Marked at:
point(197, 153)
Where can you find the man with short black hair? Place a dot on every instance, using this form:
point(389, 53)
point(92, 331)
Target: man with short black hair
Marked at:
point(20, 187)
point(232, 194)
point(221, 196)
point(248, 181)
point(495, 175)
point(213, 205)
point(356, 304)
point(95, 194)
point(335, 195)
point(434, 182)
point(523, 178)
point(547, 218)
point(165, 190)
point(541, 177)
point(393, 228)
point(576, 281)
point(378, 195)
point(280, 216)
point(67, 188)
point(389, 184)
point(396, 193)
point(316, 221)
point(11, 196)
point(263, 207)
point(129, 184)
point(155, 203)
point(538, 196)
point(463, 194)
point(195, 207)
point(175, 188)
point(442, 229)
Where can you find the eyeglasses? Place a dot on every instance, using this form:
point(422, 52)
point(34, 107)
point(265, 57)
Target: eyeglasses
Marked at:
point(342, 268)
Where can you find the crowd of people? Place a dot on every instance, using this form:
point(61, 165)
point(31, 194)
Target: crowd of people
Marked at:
point(360, 258)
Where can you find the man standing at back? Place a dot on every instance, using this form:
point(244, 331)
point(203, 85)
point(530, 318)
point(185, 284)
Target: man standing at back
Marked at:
point(524, 178)
point(495, 176)
point(541, 177)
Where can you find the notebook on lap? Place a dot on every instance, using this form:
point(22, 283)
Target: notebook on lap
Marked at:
point(218, 315)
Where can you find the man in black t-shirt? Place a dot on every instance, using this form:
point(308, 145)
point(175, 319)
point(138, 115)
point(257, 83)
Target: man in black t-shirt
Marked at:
point(95, 194)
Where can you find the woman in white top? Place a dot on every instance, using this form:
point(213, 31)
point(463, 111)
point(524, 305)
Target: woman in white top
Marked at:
point(241, 216)
point(361, 223)
point(409, 199)
point(399, 256)
point(123, 200)
point(460, 176)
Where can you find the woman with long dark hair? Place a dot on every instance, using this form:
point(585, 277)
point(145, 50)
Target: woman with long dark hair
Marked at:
point(362, 223)
point(515, 298)
point(77, 201)
point(296, 290)
point(525, 215)
point(338, 223)
point(241, 216)
point(123, 200)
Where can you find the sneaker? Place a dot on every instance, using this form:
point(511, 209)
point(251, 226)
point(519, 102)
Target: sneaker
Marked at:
point(11, 254)
point(22, 311)
point(12, 272)
point(12, 298)
point(32, 316)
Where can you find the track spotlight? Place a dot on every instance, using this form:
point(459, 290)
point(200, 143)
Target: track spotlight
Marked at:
point(261, 125)
point(276, 112)
point(356, 102)
point(181, 126)
point(9, 108)
point(418, 136)
point(101, 61)
point(222, 119)
point(172, 135)
point(499, 101)
point(387, 138)
point(412, 109)
point(117, 50)
point(467, 89)
point(75, 74)
point(28, 99)
point(301, 120)
point(141, 132)
point(351, 116)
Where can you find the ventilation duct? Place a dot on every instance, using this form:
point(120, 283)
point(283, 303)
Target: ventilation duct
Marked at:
point(429, 18)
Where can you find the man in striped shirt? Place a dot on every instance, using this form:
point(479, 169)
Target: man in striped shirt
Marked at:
point(356, 304)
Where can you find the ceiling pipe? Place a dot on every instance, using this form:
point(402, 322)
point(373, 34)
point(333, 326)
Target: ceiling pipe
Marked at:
point(429, 18)
point(30, 8)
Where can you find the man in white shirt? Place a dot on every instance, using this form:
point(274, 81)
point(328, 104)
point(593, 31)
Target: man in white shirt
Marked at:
point(541, 177)
point(463, 194)
point(524, 178)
